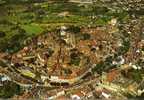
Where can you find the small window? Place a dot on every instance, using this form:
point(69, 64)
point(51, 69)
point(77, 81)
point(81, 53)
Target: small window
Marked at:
point(55, 84)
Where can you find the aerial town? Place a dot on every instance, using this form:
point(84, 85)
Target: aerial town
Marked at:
point(72, 49)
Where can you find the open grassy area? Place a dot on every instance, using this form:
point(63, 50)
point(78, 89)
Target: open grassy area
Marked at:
point(34, 18)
